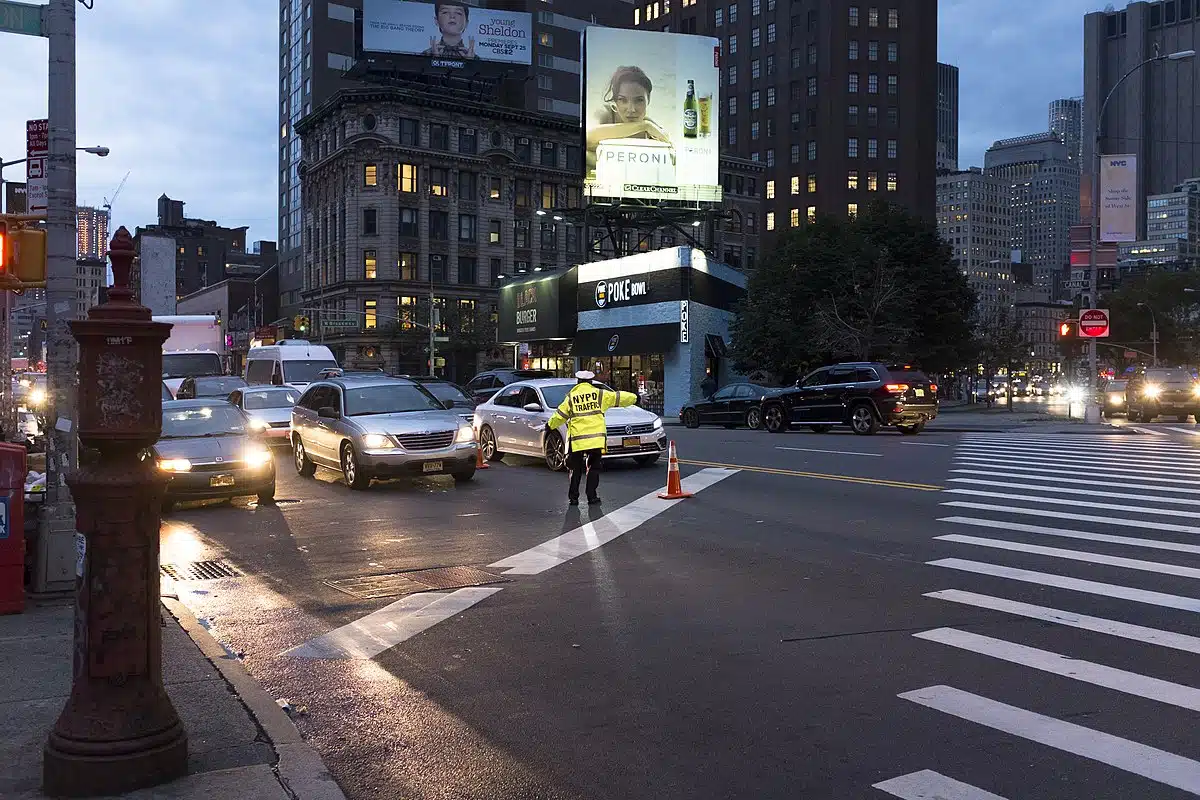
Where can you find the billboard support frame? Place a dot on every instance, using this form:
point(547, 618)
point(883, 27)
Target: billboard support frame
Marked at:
point(615, 219)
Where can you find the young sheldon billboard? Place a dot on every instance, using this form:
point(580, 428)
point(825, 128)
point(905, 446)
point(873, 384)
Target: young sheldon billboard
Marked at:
point(447, 31)
point(651, 115)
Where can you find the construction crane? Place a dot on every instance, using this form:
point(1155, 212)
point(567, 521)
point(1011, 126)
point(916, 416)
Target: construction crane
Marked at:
point(108, 204)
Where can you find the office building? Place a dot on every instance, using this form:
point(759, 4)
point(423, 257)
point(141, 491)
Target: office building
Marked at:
point(1044, 195)
point(91, 232)
point(89, 280)
point(1172, 232)
point(1065, 119)
point(1039, 317)
point(1152, 115)
point(839, 101)
point(947, 117)
point(317, 47)
point(974, 216)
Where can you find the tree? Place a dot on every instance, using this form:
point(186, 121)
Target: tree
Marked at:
point(1002, 341)
point(1156, 296)
point(876, 287)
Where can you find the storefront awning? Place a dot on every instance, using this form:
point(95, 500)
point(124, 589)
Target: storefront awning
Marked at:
point(714, 346)
point(627, 341)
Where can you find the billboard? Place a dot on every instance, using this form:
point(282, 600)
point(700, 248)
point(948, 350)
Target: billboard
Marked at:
point(1118, 198)
point(449, 33)
point(651, 113)
point(533, 310)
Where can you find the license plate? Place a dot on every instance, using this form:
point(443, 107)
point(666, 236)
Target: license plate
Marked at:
point(221, 480)
point(634, 442)
point(431, 466)
point(920, 392)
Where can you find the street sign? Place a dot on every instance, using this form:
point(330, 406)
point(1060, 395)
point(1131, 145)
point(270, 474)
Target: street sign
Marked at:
point(22, 18)
point(37, 148)
point(340, 323)
point(1093, 323)
point(1131, 354)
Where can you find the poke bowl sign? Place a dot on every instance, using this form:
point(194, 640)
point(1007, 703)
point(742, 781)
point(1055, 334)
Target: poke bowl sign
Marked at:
point(1093, 323)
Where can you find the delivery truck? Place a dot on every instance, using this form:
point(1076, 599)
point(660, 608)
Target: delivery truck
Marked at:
point(195, 347)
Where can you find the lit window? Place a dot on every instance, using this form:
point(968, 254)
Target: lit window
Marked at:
point(872, 181)
point(406, 177)
point(637, 16)
point(794, 217)
point(852, 210)
point(812, 151)
point(812, 87)
point(872, 84)
point(754, 100)
point(872, 148)
point(733, 44)
point(546, 39)
point(872, 17)
point(795, 184)
point(852, 147)
point(891, 181)
point(812, 183)
point(370, 308)
point(812, 213)
point(770, 190)
point(370, 175)
point(893, 18)
point(852, 179)
point(770, 220)
point(369, 261)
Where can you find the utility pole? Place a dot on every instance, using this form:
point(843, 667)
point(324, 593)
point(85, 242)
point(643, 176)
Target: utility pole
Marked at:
point(57, 544)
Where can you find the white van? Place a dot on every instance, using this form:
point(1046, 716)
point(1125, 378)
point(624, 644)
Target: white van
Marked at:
point(290, 362)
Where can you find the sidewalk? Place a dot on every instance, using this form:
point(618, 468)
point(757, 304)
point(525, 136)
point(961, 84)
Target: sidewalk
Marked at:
point(240, 743)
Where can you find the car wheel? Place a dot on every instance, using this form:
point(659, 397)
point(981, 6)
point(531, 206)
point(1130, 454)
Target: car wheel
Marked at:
point(754, 419)
point(863, 420)
point(304, 465)
point(820, 428)
point(773, 419)
point(352, 472)
point(645, 461)
point(462, 476)
point(555, 452)
point(691, 419)
point(911, 430)
point(1133, 415)
point(487, 443)
point(267, 495)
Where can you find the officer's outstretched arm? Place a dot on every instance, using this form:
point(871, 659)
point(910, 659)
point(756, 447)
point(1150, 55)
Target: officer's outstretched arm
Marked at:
point(560, 415)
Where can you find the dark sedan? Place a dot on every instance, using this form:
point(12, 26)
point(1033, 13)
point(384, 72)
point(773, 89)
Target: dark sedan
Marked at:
point(734, 405)
point(209, 451)
point(209, 386)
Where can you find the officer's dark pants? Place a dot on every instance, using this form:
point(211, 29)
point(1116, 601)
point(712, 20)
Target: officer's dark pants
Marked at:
point(579, 461)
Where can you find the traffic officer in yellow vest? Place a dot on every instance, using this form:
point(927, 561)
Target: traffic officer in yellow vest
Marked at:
point(583, 411)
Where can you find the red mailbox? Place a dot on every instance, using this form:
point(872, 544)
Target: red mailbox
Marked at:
point(12, 528)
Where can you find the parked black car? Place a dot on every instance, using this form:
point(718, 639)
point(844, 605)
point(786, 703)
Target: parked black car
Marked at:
point(731, 406)
point(208, 386)
point(486, 384)
point(864, 396)
point(1162, 391)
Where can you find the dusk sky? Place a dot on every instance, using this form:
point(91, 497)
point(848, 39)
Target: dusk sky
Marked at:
point(185, 93)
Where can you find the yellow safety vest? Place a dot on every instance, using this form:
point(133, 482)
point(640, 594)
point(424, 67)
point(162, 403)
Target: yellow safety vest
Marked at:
point(583, 410)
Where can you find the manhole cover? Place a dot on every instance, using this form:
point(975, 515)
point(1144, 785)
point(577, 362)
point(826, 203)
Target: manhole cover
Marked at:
point(200, 570)
point(396, 584)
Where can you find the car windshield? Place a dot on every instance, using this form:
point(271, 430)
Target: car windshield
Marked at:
point(448, 391)
point(1114, 385)
point(1168, 376)
point(166, 393)
point(556, 394)
point(390, 399)
point(195, 421)
point(182, 365)
point(305, 371)
point(255, 400)
point(217, 387)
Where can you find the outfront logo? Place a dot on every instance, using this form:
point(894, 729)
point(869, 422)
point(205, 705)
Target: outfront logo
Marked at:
point(613, 342)
point(601, 294)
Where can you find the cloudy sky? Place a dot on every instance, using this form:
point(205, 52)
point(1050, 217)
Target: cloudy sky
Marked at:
point(184, 92)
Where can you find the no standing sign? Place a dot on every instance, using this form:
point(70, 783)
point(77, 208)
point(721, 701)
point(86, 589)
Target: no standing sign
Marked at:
point(1093, 323)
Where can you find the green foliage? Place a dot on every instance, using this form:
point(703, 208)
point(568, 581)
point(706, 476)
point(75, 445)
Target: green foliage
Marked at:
point(881, 286)
point(1176, 310)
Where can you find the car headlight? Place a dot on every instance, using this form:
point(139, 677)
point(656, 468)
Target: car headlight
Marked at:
point(377, 441)
point(258, 425)
point(1075, 394)
point(1115, 398)
point(466, 434)
point(257, 457)
point(175, 465)
point(37, 396)
point(1150, 390)
point(1196, 389)
point(657, 423)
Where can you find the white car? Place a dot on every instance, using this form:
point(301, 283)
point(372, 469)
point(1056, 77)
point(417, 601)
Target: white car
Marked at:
point(269, 409)
point(514, 421)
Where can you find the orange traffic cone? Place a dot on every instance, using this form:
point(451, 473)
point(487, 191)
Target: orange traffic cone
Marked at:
point(674, 487)
point(480, 462)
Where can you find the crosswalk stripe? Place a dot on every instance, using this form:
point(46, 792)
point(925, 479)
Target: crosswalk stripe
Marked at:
point(1132, 683)
point(1056, 465)
point(1139, 759)
point(1083, 456)
point(1039, 512)
point(930, 785)
point(1185, 452)
point(1111, 590)
point(1133, 442)
point(1188, 431)
point(1062, 501)
point(1082, 481)
point(1072, 490)
point(1131, 541)
point(1075, 555)
point(1150, 431)
point(1109, 627)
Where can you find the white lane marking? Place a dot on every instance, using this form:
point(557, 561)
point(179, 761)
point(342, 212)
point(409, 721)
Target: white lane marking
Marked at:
point(1074, 555)
point(1188, 431)
point(1139, 759)
point(1088, 457)
point(1132, 541)
point(1131, 442)
point(1082, 481)
point(1060, 501)
point(930, 785)
point(1112, 590)
point(1072, 490)
point(1150, 431)
point(1055, 466)
point(1039, 512)
point(591, 535)
point(389, 626)
point(1132, 683)
point(833, 452)
point(1123, 630)
point(925, 444)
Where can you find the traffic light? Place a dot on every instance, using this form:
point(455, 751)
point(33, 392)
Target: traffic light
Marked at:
point(300, 323)
point(3, 245)
point(22, 253)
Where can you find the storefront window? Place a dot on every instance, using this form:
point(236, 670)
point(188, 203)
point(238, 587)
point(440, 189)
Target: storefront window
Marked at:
point(641, 374)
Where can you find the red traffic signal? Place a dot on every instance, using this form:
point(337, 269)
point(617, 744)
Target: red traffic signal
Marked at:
point(3, 245)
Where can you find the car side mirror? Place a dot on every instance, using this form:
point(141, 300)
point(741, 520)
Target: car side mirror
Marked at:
point(533, 408)
point(328, 412)
point(447, 404)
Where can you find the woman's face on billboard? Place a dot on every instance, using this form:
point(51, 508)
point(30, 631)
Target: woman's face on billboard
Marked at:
point(631, 100)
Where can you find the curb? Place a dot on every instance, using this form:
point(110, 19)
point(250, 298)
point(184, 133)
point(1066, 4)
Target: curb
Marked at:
point(299, 767)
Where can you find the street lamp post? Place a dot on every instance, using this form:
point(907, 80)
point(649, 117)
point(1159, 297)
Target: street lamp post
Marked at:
point(1092, 411)
point(1153, 332)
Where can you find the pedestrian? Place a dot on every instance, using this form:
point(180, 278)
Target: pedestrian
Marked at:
point(708, 386)
point(583, 410)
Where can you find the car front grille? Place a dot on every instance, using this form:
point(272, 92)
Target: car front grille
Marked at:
point(280, 424)
point(426, 441)
point(631, 430)
point(224, 466)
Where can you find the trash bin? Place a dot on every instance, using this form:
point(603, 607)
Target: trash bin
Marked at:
point(12, 528)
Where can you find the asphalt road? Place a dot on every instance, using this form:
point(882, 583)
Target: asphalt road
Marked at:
point(772, 637)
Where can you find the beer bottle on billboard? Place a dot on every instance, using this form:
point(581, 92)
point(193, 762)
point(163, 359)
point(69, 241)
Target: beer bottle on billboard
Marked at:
point(690, 116)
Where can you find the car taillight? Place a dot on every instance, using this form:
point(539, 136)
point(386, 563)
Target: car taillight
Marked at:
point(933, 388)
point(897, 387)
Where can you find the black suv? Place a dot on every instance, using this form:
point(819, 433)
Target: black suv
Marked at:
point(861, 395)
point(1162, 390)
point(486, 384)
